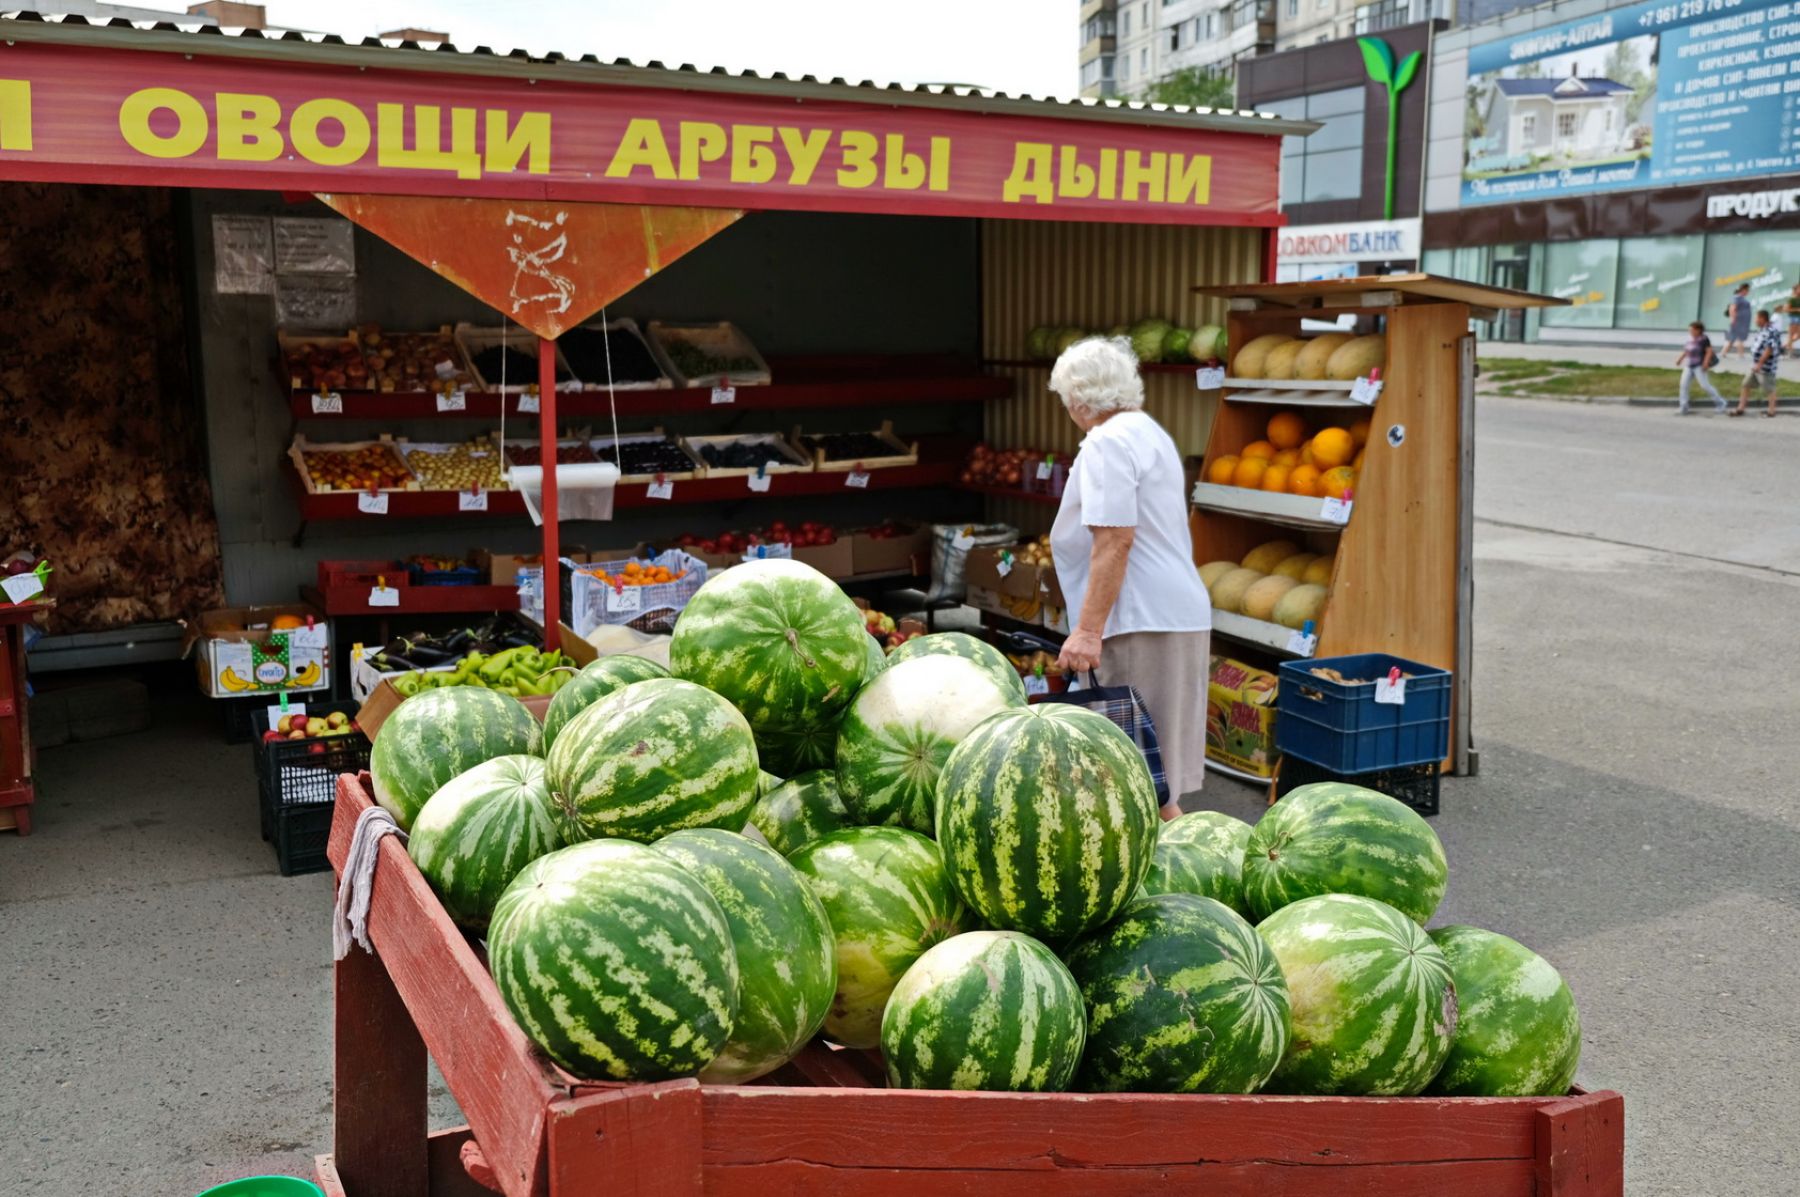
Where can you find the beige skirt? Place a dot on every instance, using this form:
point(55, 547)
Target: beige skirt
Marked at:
point(1169, 669)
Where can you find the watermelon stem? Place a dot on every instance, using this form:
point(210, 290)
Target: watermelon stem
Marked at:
point(793, 639)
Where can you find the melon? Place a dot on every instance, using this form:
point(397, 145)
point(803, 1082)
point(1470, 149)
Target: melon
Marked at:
point(1311, 362)
point(985, 1010)
point(1265, 557)
point(961, 644)
point(808, 742)
point(800, 810)
point(593, 683)
point(1318, 571)
point(1295, 566)
point(1207, 343)
point(1260, 599)
point(1332, 837)
point(1228, 595)
point(1201, 852)
point(1212, 571)
point(1354, 359)
point(1301, 603)
point(436, 736)
point(1280, 362)
point(1250, 359)
point(473, 836)
point(1517, 1031)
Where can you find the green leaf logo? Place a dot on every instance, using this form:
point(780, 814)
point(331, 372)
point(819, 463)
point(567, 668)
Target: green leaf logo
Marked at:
point(1378, 61)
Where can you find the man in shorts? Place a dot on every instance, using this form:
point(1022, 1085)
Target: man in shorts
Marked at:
point(1765, 355)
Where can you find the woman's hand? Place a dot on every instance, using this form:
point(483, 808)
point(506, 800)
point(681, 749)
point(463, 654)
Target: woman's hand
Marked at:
point(1080, 652)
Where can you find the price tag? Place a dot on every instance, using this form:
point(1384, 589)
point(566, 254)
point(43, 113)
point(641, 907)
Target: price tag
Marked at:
point(471, 500)
point(1365, 390)
point(446, 369)
point(1335, 511)
point(383, 596)
point(21, 587)
point(528, 402)
point(662, 488)
point(1004, 566)
point(962, 542)
point(856, 479)
point(1391, 690)
point(1209, 378)
point(1043, 470)
point(724, 393)
point(328, 404)
point(625, 599)
point(1301, 644)
point(1035, 683)
point(453, 400)
point(372, 504)
point(759, 483)
point(286, 708)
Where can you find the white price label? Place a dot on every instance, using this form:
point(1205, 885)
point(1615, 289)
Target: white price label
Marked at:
point(1043, 471)
point(1035, 683)
point(528, 403)
point(372, 504)
point(454, 400)
point(1335, 511)
point(383, 596)
point(1004, 565)
point(661, 489)
point(275, 713)
point(21, 587)
point(1365, 390)
point(1209, 378)
point(624, 599)
point(759, 483)
point(1301, 645)
point(475, 500)
point(328, 404)
point(856, 479)
point(962, 542)
point(724, 394)
point(1391, 692)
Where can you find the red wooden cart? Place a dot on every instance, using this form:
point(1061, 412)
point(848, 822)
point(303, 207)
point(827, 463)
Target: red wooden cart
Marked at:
point(824, 1126)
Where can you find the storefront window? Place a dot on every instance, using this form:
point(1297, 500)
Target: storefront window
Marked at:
point(1585, 273)
point(1767, 261)
point(1328, 164)
point(1659, 282)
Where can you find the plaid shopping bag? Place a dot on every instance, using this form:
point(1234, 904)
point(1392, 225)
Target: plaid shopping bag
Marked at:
point(1125, 707)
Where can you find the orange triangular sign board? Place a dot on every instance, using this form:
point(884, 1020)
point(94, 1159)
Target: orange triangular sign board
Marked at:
point(547, 266)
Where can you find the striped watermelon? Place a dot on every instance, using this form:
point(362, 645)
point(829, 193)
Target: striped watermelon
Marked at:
point(1182, 997)
point(654, 757)
point(1202, 853)
point(1374, 1007)
point(878, 659)
point(984, 1010)
point(593, 683)
point(800, 810)
point(899, 730)
point(787, 959)
point(435, 736)
point(765, 781)
point(777, 638)
point(474, 835)
point(1517, 1031)
point(961, 644)
point(804, 745)
point(888, 900)
point(1337, 838)
point(1048, 819)
point(616, 962)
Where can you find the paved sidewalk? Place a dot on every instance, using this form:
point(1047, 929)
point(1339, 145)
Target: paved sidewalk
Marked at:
point(1615, 355)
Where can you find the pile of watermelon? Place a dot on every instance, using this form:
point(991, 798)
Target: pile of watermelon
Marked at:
point(980, 888)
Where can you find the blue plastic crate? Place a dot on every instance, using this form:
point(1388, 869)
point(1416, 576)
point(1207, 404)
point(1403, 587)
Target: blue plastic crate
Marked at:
point(466, 575)
point(1342, 728)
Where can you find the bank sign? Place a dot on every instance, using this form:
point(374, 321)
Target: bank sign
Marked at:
point(1357, 241)
point(1654, 94)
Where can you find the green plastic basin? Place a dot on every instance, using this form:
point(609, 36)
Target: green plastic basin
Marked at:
point(266, 1186)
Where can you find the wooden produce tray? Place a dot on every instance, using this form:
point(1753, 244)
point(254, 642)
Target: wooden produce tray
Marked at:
point(625, 326)
point(472, 339)
point(697, 469)
point(723, 340)
point(824, 1127)
point(301, 447)
point(286, 341)
point(797, 462)
point(903, 454)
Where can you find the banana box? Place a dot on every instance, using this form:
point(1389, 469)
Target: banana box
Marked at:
point(1001, 581)
point(242, 651)
point(1240, 716)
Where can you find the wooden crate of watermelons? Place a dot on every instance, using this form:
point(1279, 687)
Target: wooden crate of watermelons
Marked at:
point(826, 1124)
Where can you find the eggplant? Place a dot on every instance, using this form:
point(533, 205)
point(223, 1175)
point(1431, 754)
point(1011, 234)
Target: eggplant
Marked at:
point(518, 640)
point(427, 657)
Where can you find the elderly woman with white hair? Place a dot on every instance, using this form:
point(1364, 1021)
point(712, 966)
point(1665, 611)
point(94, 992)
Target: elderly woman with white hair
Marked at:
point(1125, 560)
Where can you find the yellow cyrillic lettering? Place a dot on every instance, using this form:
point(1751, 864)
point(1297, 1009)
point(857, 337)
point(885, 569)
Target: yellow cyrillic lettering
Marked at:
point(15, 114)
point(752, 155)
point(1075, 179)
point(1151, 175)
point(427, 151)
point(804, 151)
point(303, 132)
point(529, 135)
point(247, 127)
point(642, 145)
point(905, 172)
point(701, 141)
point(859, 168)
point(940, 164)
point(1030, 174)
point(190, 129)
point(1190, 176)
point(1109, 174)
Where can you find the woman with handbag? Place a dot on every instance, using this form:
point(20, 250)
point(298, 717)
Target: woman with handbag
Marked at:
point(1139, 613)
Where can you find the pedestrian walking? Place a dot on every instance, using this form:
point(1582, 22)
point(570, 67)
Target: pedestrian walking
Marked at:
point(1765, 355)
point(1738, 313)
point(1696, 358)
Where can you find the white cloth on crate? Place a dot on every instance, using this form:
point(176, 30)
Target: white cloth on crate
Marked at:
point(350, 913)
point(1129, 475)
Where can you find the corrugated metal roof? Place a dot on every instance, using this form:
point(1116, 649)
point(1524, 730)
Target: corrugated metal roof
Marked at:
point(195, 35)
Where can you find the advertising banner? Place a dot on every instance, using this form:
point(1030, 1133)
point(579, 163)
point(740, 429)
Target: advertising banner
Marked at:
point(1648, 95)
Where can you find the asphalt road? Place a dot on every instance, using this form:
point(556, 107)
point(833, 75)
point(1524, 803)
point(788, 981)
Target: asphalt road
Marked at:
point(166, 997)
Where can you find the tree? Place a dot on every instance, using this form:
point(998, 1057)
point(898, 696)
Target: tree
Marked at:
point(1624, 67)
point(1194, 87)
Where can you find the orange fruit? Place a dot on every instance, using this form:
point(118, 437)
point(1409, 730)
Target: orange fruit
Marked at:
point(1249, 472)
point(1287, 457)
point(1338, 482)
point(1262, 449)
point(1306, 456)
point(1332, 447)
point(1356, 462)
point(1359, 432)
point(1303, 479)
point(1222, 468)
point(1275, 478)
point(1286, 429)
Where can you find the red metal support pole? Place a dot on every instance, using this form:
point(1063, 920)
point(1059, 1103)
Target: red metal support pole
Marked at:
point(552, 537)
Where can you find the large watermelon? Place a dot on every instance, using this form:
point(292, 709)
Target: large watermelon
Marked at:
point(878, 659)
point(984, 1010)
point(786, 956)
point(1337, 838)
point(800, 810)
point(1201, 852)
point(777, 638)
point(473, 836)
point(806, 744)
point(1517, 1032)
point(961, 644)
point(616, 962)
point(1182, 997)
point(885, 892)
point(654, 757)
point(899, 730)
point(593, 683)
point(1047, 817)
point(1374, 1008)
point(433, 737)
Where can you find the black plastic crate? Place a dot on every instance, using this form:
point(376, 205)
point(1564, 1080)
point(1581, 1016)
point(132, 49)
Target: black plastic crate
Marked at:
point(300, 836)
point(1415, 785)
point(242, 716)
point(296, 784)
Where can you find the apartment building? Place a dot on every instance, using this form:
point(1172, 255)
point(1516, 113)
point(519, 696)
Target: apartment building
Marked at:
point(1213, 35)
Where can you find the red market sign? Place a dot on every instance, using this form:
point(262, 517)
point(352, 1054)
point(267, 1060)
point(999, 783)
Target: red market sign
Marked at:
point(101, 115)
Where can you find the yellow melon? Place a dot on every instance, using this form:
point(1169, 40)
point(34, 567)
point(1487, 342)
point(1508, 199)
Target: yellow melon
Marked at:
point(1212, 571)
point(1300, 603)
point(1318, 571)
point(1228, 593)
point(1295, 567)
point(1280, 362)
point(1265, 557)
point(1249, 360)
point(1354, 359)
point(1318, 351)
point(1260, 599)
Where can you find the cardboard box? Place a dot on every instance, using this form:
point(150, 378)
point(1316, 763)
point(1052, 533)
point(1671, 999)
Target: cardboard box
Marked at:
point(236, 653)
point(383, 700)
point(503, 568)
point(1240, 716)
point(892, 554)
point(834, 560)
point(1000, 582)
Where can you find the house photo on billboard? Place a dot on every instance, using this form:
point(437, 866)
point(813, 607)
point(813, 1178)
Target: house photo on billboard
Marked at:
point(1547, 121)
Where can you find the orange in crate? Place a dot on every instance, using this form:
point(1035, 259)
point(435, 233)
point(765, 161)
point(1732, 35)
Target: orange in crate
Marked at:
point(1262, 449)
point(1222, 469)
point(1333, 447)
point(1304, 480)
point(1286, 429)
point(1275, 478)
point(1249, 472)
point(1338, 483)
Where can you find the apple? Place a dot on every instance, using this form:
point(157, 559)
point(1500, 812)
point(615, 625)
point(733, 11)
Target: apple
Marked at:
point(297, 734)
point(337, 719)
point(270, 736)
point(317, 727)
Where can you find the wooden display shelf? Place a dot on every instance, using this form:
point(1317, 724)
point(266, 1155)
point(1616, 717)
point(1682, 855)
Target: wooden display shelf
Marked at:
point(1259, 632)
point(1289, 511)
point(1030, 363)
point(1291, 392)
point(414, 600)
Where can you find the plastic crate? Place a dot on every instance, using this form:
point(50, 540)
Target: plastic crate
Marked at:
point(240, 715)
point(466, 575)
point(1339, 726)
point(296, 783)
point(1415, 785)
